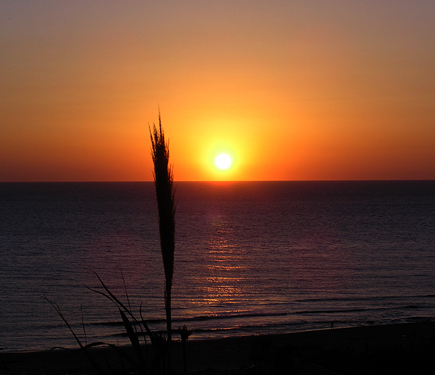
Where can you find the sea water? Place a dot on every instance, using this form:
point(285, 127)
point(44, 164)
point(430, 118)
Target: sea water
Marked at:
point(250, 258)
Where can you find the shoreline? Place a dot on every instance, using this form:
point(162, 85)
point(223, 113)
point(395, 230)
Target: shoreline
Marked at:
point(383, 349)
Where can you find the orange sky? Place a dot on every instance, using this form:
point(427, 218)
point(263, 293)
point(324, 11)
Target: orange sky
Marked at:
point(292, 90)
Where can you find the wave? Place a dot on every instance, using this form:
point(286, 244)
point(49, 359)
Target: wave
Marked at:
point(269, 317)
point(279, 328)
point(368, 298)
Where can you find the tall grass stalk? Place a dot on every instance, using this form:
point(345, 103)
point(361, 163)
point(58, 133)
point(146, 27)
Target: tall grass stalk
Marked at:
point(163, 180)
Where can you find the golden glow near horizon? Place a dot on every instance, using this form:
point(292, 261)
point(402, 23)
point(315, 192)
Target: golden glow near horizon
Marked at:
point(289, 90)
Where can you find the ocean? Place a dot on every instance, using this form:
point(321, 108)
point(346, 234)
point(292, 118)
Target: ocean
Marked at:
point(251, 258)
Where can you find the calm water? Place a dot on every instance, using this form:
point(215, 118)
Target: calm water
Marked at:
point(262, 257)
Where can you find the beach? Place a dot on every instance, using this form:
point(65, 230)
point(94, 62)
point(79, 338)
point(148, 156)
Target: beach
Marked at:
point(385, 349)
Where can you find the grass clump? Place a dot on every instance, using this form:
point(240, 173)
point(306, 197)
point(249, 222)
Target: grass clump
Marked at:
point(135, 326)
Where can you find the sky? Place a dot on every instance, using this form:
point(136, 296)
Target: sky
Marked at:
point(290, 90)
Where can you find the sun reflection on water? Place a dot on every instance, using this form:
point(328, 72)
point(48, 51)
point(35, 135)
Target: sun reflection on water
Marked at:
point(224, 266)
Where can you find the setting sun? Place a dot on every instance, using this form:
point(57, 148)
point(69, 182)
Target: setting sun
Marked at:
point(223, 161)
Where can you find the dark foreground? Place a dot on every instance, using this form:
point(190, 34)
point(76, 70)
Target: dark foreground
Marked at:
point(390, 349)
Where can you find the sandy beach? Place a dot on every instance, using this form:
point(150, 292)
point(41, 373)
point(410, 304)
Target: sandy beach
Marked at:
point(388, 349)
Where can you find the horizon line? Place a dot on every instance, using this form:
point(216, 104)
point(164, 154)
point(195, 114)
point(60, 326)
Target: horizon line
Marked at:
point(213, 181)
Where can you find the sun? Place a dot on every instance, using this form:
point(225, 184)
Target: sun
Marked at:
point(223, 161)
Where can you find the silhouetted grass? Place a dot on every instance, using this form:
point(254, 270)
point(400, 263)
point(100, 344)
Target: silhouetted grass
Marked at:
point(83, 347)
point(130, 327)
point(184, 333)
point(163, 180)
point(136, 327)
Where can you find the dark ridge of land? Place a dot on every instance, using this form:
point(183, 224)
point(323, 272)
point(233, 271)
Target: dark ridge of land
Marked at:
point(387, 349)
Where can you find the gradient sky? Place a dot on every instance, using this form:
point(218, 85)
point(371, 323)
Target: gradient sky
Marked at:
point(292, 90)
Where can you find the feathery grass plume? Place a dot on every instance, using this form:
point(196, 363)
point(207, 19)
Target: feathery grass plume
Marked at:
point(163, 180)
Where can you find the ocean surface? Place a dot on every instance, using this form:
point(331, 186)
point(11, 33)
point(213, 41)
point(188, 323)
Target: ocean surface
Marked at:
point(251, 258)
